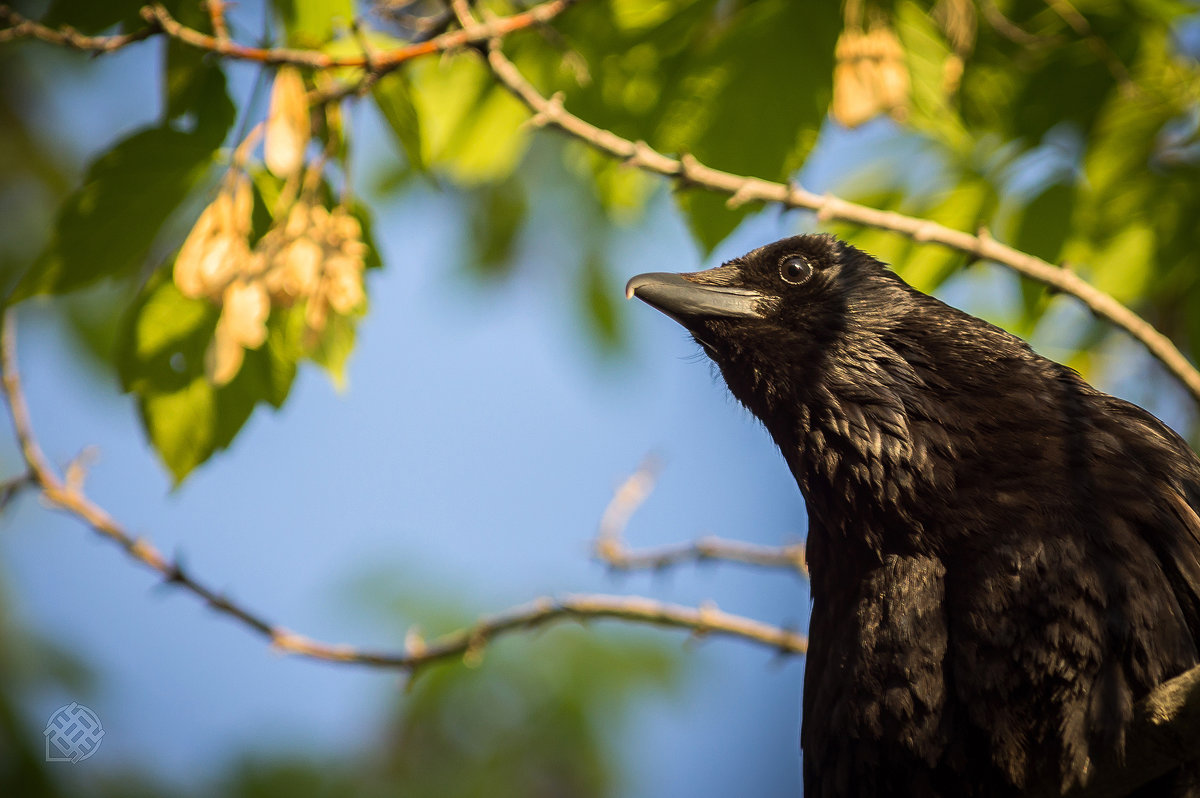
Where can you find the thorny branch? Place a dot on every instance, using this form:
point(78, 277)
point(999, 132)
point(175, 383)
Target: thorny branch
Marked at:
point(67, 495)
point(610, 546)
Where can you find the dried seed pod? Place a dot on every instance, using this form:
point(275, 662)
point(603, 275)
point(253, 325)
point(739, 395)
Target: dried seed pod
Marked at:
point(288, 127)
point(295, 270)
point(870, 77)
point(216, 248)
point(344, 283)
point(244, 311)
point(223, 358)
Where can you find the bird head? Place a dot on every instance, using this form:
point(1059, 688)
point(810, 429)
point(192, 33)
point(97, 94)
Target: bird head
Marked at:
point(793, 317)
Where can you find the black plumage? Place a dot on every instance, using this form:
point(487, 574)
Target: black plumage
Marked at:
point(1003, 559)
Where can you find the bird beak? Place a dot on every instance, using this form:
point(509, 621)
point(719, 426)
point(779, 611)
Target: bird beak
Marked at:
point(706, 294)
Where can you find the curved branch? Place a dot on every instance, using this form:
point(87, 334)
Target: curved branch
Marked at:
point(706, 549)
point(549, 111)
point(67, 495)
point(21, 27)
point(160, 21)
point(610, 545)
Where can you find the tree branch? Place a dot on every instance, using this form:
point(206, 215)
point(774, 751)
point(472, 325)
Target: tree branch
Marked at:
point(610, 546)
point(159, 20)
point(20, 27)
point(67, 495)
point(741, 190)
point(708, 548)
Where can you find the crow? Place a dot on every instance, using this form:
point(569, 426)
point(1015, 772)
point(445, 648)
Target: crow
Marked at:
point(1003, 559)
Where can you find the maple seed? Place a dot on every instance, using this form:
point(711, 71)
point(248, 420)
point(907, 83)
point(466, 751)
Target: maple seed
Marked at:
point(870, 77)
point(288, 125)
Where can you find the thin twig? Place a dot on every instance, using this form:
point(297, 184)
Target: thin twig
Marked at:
point(381, 63)
point(216, 15)
point(705, 549)
point(741, 190)
point(67, 495)
point(610, 546)
point(159, 20)
point(21, 27)
point(626, 499)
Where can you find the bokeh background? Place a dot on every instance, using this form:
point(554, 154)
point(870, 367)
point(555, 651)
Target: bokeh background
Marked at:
point(493, 401)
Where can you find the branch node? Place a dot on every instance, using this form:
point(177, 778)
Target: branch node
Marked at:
point(747, 192)
point(548, 114)
point(825, 208)
point(688, 167)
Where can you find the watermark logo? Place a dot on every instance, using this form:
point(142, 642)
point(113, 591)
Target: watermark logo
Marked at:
point(73, 734)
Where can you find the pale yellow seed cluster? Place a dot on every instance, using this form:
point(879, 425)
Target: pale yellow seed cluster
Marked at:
point(311, 254)
point(870, 77)
point(315, 255)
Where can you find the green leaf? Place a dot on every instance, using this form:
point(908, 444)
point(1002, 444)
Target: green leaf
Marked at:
point(751, 102)
point(496, 214)
point(471, 130)
point(106, 226)
point(372, 260)
point(312, 23)
point(964, 207)
point(1045, 222)
point(709, 218)
point(334, 347)
point(599, 301)
point(393, 96)
point(94, 16)
point(926, 54)
point(1124, 265)
point(160, 359)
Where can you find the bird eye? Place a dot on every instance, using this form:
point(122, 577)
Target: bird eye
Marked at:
point(795, 270)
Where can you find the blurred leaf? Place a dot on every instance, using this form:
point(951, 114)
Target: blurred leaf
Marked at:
point(94, 16)
point(194, 83)
point(334, 346)
point(599, 298)
point(717, 109)
point(106, 226)
point(373, 258)
point(1045, 222)
point(471, 130)
point(964, 207)
point(496, 213)
point(312, 23)
point(929, 57)
point(1041, 229)
point(393, 97)
point(160, 359)
point(1124, 265)
point(621, 189)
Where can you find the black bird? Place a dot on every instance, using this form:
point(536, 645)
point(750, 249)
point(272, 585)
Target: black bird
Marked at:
point(1003, 559)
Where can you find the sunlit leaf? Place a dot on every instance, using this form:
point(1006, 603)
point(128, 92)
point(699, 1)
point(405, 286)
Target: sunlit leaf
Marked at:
point(393, 97)
point(312, 23)
point(334, 346)
point(160, 359)
point(753, 101)
point(931, 69)
point(106, 226)
point(471, 129)
point(1123, 266)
